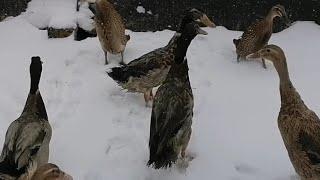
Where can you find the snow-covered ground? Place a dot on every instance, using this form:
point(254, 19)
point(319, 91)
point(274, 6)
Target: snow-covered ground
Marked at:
point(101, 132)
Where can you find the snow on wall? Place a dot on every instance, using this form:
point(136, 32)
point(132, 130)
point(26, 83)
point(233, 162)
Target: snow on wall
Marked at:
point(58, 14)
point(100, 132)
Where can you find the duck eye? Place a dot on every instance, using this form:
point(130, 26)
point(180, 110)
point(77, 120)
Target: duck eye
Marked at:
point(268, 50)
point(56, 171)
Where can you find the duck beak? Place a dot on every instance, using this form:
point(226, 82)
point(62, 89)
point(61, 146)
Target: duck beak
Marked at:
point(287, 20)
point(254, 55)
point(67, 177)
point(201, 31)
point(206, 21)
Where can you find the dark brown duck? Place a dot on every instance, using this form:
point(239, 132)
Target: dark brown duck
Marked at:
point(150, 70)
point(172, 111)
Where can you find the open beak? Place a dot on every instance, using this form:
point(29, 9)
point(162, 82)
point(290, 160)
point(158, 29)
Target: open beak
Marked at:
point(201, 31)
point(206, 21)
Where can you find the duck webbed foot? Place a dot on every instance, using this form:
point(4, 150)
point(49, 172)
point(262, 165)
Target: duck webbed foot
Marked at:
point(238, 58)
point(183, 161)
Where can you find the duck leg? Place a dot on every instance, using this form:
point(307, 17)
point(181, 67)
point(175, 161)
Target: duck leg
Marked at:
point(148, 98)
point(238, 58)
point(122, 61)
point(151, 95)
point(264, 63)
point(106, 58)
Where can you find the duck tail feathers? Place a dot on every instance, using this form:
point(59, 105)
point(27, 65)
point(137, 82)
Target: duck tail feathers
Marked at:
point(163, 159)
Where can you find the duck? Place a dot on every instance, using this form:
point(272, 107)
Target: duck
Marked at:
point(258, 34)
point(150, 70)
point(172, 110)
point(44, 172)
point(299, 126)
point(49, 171)
point(27, 138)
point(110, 29)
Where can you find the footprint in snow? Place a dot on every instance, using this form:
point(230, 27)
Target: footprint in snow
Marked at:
point(245, 169)
point(290, 177)
point(116, 144)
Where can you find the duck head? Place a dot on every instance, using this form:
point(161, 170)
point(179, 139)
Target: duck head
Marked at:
point(190, 31)
point(279, 11)
point(272, 53)
point(50, 172)
point(201, 18)
point(35, 73)
point(194, 15)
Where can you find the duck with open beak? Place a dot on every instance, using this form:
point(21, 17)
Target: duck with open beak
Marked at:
point(150, 70)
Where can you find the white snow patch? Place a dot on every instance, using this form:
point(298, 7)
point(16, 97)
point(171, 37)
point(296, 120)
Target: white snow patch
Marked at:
point(101, 132)
point(140, 9)
point(58, 14)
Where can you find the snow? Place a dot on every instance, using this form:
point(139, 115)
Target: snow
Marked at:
point(58, 14)
point(141, 9)
point(101, 132)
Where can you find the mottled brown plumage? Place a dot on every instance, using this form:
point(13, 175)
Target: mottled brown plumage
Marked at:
point(172, 111)
point(258, 34)
point(151, 69)
point(299, 126)
point(48, 172)
point(110, 29)
point(45, 172)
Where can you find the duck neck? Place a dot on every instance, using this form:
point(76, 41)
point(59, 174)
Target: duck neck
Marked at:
point(287, 91)
point(183, 43)
point(271, 15)
point(34, 86)
point(34, 103)
point(179, 68)
point(103, 9)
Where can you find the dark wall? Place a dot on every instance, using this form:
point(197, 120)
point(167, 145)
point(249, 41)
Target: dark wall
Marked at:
point(166, 14)
point(12, 7)
point(233, 14)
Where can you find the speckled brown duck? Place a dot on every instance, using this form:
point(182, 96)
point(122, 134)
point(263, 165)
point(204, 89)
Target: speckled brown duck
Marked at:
point(172, 110)
point(151, 69)
point(110, 29)
point(299, 126)
point(27, 138)
point(45, 172)
point(258, 34)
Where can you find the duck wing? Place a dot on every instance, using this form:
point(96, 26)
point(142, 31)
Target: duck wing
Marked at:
point(310, 141)
point(171, 110)
point(156, 59)
point(23, 140)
